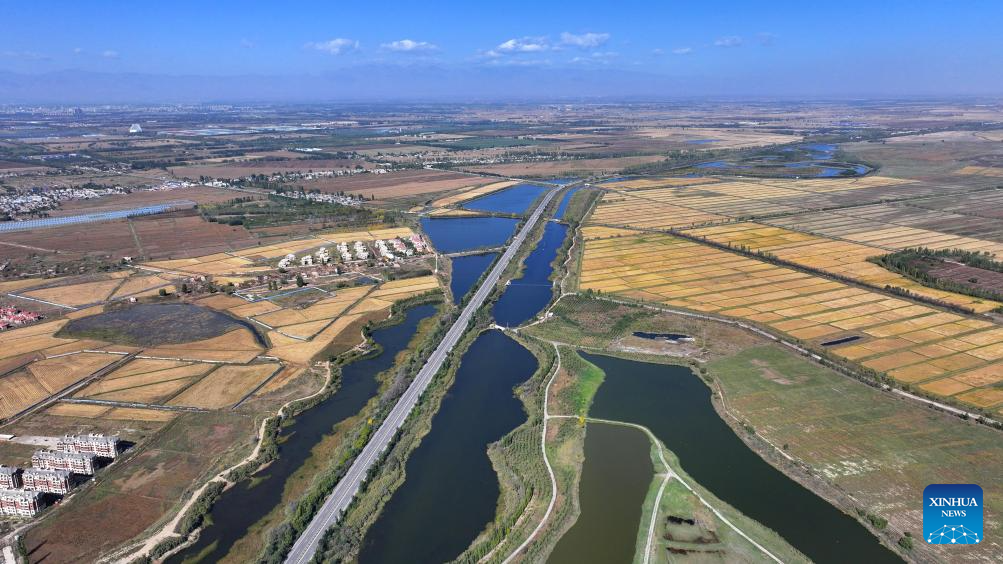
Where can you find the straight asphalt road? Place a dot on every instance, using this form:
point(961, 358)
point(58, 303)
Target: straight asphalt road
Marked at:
point(306, 545)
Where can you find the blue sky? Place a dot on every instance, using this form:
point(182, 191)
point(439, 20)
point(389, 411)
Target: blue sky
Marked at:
point(927, 46)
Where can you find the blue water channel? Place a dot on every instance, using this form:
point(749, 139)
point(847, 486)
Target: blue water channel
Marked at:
point(562, 208)
point(466, 271)
point(527, 295)
point(516, 199)
point(451, 490)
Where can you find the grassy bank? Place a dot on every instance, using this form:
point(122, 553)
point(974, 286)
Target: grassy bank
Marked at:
point(865, 450)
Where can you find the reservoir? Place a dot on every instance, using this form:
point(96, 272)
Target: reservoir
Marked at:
point(451, 235)
point(249, 501)
point(676, 406)
point(615, 479)
point(516, 199)
point(451, 489)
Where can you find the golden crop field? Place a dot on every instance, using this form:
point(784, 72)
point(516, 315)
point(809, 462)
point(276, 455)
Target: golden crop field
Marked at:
point(19, 391)
point(55, 374)
point(888, 227)
point(913, 343)
point(838, 257)
point(236, 346)
point(982, 171)
point(646, 183)
point(121, 386)
point(471, 193)
point(658, 204)
point(628, 210)
point(225, 386)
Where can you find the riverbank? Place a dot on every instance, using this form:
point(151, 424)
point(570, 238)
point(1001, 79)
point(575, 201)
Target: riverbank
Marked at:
point(838, 437)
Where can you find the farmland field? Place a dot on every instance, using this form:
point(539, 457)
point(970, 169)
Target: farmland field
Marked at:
point(914, 344)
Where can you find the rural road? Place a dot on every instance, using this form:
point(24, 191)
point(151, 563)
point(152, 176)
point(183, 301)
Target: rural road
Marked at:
point(306, 545)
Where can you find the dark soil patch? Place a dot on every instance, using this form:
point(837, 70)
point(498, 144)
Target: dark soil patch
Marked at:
point(152, 325)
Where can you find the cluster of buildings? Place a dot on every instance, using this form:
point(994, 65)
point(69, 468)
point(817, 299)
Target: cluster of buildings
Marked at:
point(18, 204)
point(12, 317)
point(53, 472)
point(389, 249)
point(345, 200)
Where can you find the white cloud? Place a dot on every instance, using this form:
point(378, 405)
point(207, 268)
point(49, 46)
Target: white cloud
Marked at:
point(109, 54)
point(247, 43)
point(682, 51)
point(409, 46)
point(729, 41)
point(78, 50)
point(658, 51)
point(334, 46)
point(584, 40)
point(522, 45)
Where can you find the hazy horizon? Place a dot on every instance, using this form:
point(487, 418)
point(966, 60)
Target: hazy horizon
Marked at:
point(310, 52)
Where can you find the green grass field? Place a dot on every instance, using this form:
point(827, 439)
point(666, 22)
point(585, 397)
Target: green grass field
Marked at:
point(881, 450)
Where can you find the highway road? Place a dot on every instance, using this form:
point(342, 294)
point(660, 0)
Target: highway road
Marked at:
point(306, 545)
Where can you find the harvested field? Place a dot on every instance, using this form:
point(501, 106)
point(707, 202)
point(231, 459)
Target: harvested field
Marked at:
point(898, 227)
point(159, 236)
point(237, 346)
point(119, 385)
point(709, 202)
point(19, 391)
point(392, 185)
point(842, 258)
point(471, 193)
point(898, 336)
point(134, 414)
point(150, 393)
point(55, 374)
point(76, 294)
point(77, 410)
point(225, 386)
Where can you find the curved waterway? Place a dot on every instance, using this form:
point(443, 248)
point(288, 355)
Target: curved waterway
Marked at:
point(451, 489)
point(249, 501)
point(615, 479)
point(675, 404)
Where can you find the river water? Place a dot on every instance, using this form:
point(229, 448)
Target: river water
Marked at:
point(675, 404)
point(451, 490)
point(249, 501)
